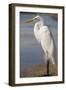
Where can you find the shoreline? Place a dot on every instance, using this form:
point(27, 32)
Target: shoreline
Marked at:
point(39, 70)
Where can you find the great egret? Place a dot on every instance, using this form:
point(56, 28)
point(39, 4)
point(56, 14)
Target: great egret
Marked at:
point(44, 37)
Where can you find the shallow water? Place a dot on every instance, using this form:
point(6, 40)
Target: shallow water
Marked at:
point(31, 52)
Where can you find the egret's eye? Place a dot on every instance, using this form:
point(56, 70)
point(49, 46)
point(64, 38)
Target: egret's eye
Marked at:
point(37, 19)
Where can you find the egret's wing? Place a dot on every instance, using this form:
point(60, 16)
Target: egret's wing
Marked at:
point(47, 43)
point(46, 39)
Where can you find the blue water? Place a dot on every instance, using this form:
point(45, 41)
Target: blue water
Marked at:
point(31, 52)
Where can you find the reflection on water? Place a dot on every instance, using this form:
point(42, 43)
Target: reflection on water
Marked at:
point(31, 52)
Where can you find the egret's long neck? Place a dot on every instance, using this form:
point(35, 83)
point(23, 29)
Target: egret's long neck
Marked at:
point(38, 25)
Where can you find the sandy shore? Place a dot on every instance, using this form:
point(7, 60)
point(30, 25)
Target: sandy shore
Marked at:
point(39, 70)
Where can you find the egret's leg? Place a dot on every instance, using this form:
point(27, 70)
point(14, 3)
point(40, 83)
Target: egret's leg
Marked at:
point(47, 61)
point(48, 72)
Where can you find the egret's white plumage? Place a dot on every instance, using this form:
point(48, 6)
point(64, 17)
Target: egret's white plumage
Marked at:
point(43, 36)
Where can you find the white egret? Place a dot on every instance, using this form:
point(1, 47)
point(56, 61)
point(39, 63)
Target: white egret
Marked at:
point(44, 37)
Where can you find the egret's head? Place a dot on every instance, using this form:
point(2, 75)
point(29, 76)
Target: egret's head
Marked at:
point(36, 19)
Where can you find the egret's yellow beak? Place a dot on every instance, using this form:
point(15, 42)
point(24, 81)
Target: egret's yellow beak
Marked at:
point(29, 21)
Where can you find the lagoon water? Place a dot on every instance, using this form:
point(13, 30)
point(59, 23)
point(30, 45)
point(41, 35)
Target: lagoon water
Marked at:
point(31, 52)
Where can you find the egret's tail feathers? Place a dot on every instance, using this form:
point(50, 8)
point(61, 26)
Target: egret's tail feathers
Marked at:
point(52, 60)
point(44, 59)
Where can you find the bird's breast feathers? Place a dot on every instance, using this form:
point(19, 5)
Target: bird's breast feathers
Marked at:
point(43, 35)
point(43, 32)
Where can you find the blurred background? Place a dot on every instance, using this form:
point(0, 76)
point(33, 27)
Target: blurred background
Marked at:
point(31, 53)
